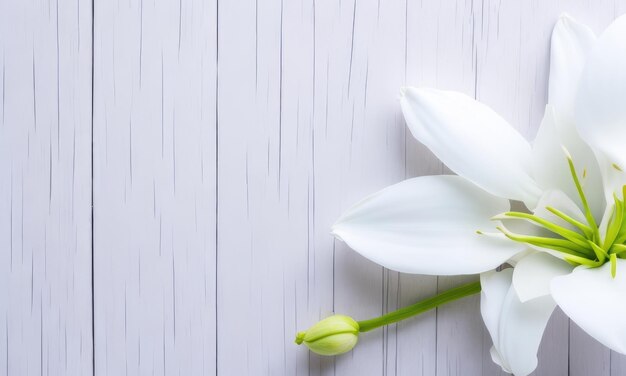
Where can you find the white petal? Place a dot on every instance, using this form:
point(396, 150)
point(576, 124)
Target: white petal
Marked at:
point(596, 302)
point(495, 286)
point(515, 259)
point(551, 169)
point(472, 140)
point(600, 109)
point(521, 328)
point(549, 162)
point(427, 225)
point(613, 175)
point(516, 328)
point(533, 274)
point(571, 42)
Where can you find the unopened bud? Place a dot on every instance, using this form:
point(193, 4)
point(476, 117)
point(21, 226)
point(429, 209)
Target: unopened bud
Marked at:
point(334, 335)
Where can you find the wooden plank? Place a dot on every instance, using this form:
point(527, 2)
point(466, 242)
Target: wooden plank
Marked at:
point(588, 357)
point(253, 286)
point(315, 136)
point(45, 194)
point(154, 187)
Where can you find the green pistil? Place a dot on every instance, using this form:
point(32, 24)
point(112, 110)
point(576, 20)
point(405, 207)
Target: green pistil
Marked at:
point(582, 245)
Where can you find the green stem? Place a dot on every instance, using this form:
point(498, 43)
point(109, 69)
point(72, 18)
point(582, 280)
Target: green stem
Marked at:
point(420, 307)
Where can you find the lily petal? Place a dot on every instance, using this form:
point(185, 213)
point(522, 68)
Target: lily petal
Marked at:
point(595, 301)
point(550, 165)
point(571, 42)
point(533, 274)
point(516, 328)
point(613, 174)
point(472, 140)
point(428, 225)
point(518, 257)
point(494, 288)
point(600, 109)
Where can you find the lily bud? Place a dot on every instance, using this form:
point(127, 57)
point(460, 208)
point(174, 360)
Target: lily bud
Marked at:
point(334, 335)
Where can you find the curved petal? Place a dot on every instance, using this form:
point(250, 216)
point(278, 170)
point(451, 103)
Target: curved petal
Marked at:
point(518, 257)
point(595, 301)
point(550, 165)
point(613, 175)
point(516, 328)
point(494, 288)
point(428, 225)
point(472, 140)
point(571, 42)
point(533, 274)
point(600, 109)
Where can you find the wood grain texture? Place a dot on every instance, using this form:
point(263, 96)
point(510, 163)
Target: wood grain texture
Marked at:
point(154, 187)
point(227, 138)
point(45, 189)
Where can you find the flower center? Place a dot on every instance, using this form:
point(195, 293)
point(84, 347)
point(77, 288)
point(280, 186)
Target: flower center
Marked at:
point(582, 244)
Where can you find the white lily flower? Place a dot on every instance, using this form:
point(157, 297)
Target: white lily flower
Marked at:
point(444, 225)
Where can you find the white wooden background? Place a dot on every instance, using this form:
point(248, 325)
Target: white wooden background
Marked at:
point(217, 141)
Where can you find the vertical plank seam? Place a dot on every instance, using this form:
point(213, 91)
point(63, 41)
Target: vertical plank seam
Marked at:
point(280, 125)
point(93, 299)
point(217, 70)
point(569, 342)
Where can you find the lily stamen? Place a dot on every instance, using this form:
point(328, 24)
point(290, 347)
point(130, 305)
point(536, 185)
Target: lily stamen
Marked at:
point(587, 231)
point(556, 229)
point(582, 245)
point(588, 215)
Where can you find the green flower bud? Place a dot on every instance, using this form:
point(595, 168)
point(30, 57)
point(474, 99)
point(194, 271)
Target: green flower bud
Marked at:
point(334, 335)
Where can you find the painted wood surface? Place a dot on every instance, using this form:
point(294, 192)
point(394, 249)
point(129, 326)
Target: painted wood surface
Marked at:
point(154, 188)
point(227, 138)
point(45, 188)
